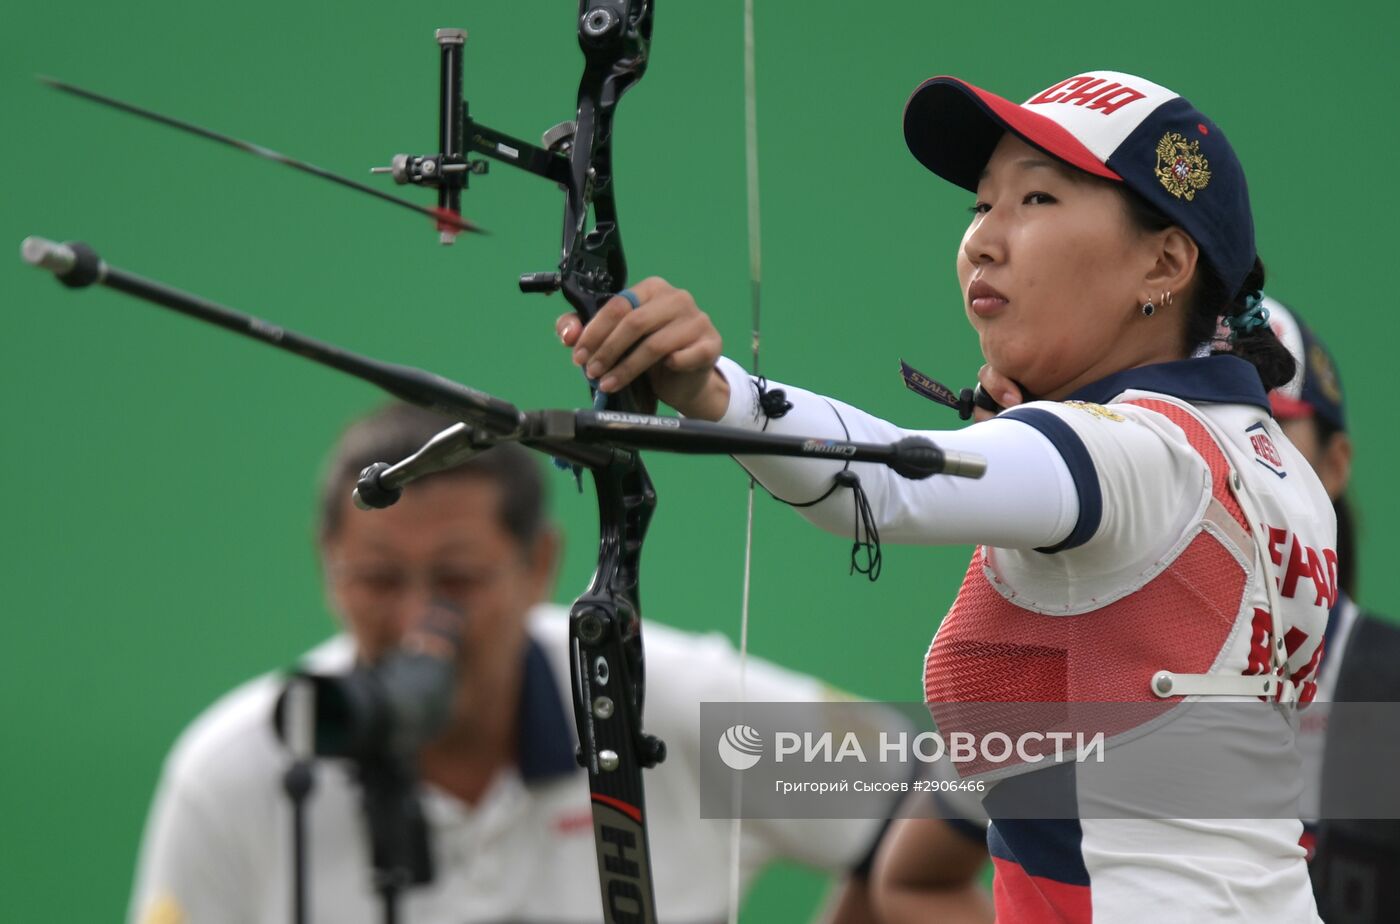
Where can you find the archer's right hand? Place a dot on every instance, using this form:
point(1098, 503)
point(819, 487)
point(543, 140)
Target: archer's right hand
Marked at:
point(1002, 390)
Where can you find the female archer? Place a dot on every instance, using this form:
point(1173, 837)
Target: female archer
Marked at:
point(1132, 547)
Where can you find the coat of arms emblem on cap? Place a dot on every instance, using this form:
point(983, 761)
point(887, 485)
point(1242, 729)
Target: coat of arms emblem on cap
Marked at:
point(1181, 167)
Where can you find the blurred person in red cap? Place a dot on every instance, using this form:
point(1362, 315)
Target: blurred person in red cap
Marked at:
point(1353, 861)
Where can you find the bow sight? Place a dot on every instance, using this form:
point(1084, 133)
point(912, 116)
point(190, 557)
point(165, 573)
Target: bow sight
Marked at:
point(615, 36)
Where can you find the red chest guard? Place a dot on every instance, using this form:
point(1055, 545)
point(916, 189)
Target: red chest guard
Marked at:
point(1182, 618)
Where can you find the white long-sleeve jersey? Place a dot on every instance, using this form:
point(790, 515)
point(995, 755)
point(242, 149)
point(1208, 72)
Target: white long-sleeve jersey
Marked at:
point(1136, 528)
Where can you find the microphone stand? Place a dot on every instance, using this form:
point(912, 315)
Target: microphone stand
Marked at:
point(398, 831)
point(400, 852)
point(298, 782)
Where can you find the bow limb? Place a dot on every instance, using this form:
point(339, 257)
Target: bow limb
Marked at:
point(607, 662)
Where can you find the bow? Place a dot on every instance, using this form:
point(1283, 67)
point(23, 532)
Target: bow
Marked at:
point(605, 635)
point(605, 632)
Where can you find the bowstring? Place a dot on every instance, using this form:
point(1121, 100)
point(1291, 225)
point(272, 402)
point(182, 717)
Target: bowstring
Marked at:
point(755, 276)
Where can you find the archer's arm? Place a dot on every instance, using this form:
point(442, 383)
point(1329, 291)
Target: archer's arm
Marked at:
point(927, 869)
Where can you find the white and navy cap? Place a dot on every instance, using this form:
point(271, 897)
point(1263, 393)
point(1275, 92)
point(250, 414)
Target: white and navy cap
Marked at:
point(1111, 125)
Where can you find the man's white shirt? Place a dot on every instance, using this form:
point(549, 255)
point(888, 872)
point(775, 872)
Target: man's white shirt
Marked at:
point(218, 840)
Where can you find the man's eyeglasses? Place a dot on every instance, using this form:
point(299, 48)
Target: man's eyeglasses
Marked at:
point(382, 582)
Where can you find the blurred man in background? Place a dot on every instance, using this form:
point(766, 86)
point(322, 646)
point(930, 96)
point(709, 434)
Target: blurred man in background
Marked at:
point(506, 804)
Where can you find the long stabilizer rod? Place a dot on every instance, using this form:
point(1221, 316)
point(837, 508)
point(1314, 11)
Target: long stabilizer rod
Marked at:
point(583, 436)
point(77, 265)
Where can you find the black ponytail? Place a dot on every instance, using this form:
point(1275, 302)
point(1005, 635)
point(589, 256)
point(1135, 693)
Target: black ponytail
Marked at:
point(1259, 346)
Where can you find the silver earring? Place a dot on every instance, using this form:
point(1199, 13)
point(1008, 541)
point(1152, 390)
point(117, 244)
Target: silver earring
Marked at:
point(1148, 309)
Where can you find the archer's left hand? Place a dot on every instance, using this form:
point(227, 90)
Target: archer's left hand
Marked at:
point(666, 337)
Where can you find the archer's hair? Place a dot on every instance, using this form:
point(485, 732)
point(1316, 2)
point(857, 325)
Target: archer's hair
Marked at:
point(396, 431)
point(1211, 302)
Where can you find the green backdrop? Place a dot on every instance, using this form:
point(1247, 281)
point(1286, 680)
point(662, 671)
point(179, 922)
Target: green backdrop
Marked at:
point(158, 490)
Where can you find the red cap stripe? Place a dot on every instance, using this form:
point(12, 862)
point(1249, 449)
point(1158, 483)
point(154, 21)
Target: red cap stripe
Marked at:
point(1043, 132)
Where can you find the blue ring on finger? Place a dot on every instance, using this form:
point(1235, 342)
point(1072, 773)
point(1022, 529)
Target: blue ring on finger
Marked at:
point(600, 398)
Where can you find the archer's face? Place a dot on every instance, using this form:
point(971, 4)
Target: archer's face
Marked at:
point(1052, 271)
point(1330, 457)
point(444, 539)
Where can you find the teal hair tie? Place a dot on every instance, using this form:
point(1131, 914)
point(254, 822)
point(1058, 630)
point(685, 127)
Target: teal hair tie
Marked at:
point(1254, 316)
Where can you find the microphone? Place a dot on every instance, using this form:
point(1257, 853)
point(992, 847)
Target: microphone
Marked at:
point(389, 708)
